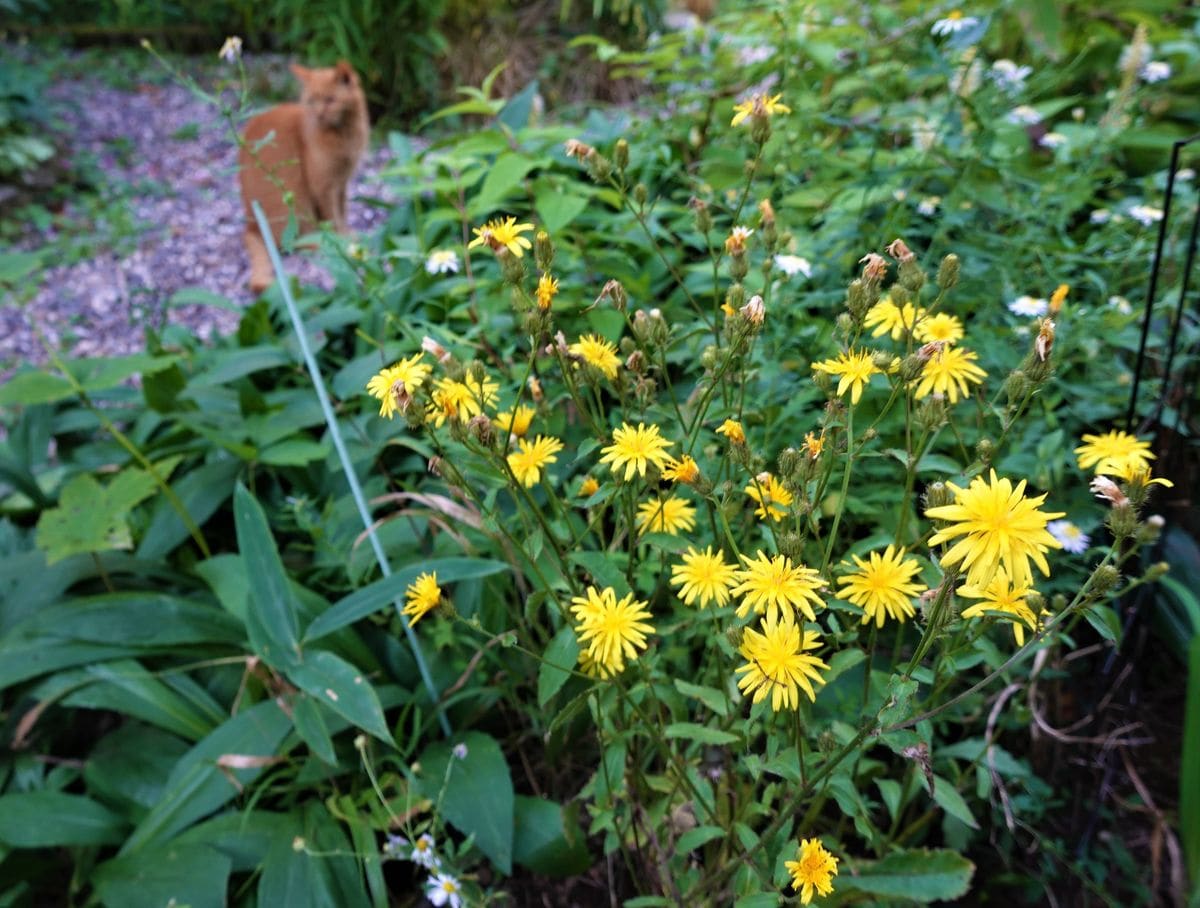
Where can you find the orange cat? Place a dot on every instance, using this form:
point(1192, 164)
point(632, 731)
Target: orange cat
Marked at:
point(311, 150)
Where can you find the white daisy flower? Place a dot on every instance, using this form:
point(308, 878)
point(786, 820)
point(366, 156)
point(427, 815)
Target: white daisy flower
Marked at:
point(1053, 140)
point(231, 50)
point(1146, 214)
point(954, 23)
point(928, 206)
point(1072, 539)
point(1100, 216)
point(1121, 304)
point(1029, 306)
point(443, 889)
point(791, 265)
point(1009, 76)
point(1155, 71)
point(442, 261)
point(1024, 115)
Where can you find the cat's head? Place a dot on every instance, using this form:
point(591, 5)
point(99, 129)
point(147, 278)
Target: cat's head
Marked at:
point(332, 94)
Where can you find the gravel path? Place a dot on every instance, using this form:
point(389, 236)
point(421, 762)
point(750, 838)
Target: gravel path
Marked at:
point(184, 196)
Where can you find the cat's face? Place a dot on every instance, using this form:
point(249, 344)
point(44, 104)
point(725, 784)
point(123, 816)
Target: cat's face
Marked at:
point(331, 95)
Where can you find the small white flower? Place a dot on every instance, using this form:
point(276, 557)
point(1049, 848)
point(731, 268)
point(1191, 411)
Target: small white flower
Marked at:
point(928, 206)
point(1155, 71)
point(443, 889)
point(1029, 306)
point(1121, 304)
point(442, 261)
point(393, 844)
point(791, 265)
point(1145, 214)
point(748, 56)
point(1024, 115)
point(1185, 174)
point(1100, 216)
point(1053, 140)
point(423, 853)
point(231, 50)
point(953, 23)
point(900, 195)
point(460, 751)
point(1009, 76)
point(1073, 539)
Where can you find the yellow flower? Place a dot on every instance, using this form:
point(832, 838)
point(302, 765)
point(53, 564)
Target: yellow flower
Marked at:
point(814, 445)
point(855, 369)
point(999, 527)
point(758, 104)
point(1000, 595)
point(1058, 297)
point(732, 429)
point(735, 243)
point(948, 372)
point(502, 233)
point(596, 351)
point(517, 422)
point(635, 449)
point(777, 662)
point(883, 586)
point(772, 498)
point(704, 576)
point(1135, 474)
point(1110, 452)
point(528, 461)
point(888, 318)
point(402, 378)
point(682, 470)
point(941, 327)
point(588, 487)
point(814, 867)
point(546, 288)
point(461, 399)
point(670, 515)
point(612, 631)
point(771, 584)
point(422, 595)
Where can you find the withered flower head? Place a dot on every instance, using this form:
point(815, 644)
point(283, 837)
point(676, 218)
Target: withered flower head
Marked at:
point(899, 250)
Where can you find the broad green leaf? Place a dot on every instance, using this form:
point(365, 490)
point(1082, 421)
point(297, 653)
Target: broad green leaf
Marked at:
point(917, 875)
point(228, 365)
point(47, 819)
point(128, 688)
point(294, 452)
point(714, 699)
point(693, 731)
point(322, 873)
point(341, 687)
point(503, 177)
point(479, 794)
point(195, 876)
point(27, 389)
point(271, 618)
point(372, 598)
point(694, 838)
point(245, 835)
point(128, 768)
point(103, 373)
point(559, 659)
point(603, 569)
point(202, 490)
point(948, 798)
point(308, 715)
point(557, 208)
point(546, 841)
point(90, 517)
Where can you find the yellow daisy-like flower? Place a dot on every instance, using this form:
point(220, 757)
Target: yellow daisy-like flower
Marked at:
point(813, 870)
point(528, 461)
point(855, 370)
point(944, 328)
point(670, 515)
point(596, 351)
point(705, 576)
point(387, 384)
point(588, 487)
point(772, 498)
point(546, 288)
point(813, 446)
point(735, 243)
point(777, 662)
point(758, 104)
point(461, 399)
point(517, 422)
point(732, 429)
point(682, 470)
point(883, 586)
point(888, 318)
point(422, 595)
point(636, 449)
point(949, 372)
point(502, 233)
point(1001, 595)
point(1112, 451)
point(612, 631)
point(773, 585)
point(1000, 528)
point(1135, 474)
point(1058, 297)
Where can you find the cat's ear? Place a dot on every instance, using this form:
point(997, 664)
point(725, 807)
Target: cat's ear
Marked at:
point(300, 72)
point(345, 72)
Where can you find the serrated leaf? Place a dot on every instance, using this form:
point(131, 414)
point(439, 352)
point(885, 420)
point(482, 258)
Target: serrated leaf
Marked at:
point(90, 517)
point(559, 658)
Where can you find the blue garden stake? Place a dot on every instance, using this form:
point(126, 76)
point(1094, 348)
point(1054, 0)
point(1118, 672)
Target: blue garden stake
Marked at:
point(314, 372)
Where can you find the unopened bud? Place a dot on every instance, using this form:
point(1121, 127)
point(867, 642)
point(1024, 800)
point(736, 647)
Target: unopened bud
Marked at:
point(1157, 570)
point(1122, 521)
point(767, 212)
point(882, 360)
point(512, 270)
point(931, 413)
point(1103, 580)
point(947, 276)
point(709, 358)
point(827, 743)
point(702, 214)
point(912, 366)
point(789, 462)
point(481, 428)
point(844, 324)
point(912, 275)
point(621, 154)
point(790, 545)
point(938, 494)
point(1016, 386)
point(599, 167)
point(735, 297)
point(733, 634)
point(543, 251)
point(984, 449)
point(640, 194)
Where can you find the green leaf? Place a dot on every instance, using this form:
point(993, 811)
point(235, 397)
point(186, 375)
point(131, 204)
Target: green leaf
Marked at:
point(1189, 781)
point(1105, 622)
point(546, 841)
point(307, 714)
point(479, 794)
point(604, 570)
point(560, 658)
point(557, 208)
point(271, 619)
point(128, 768)
point(27, 389)
point(917, 875)
point(709, 696)
point(126, 687)
point(92, 518)
point(294, 452)
point(49, 819)
point(340, 686)
point(948, 798)
point(228, 365)
point(326, 876)
point(700, 835)
point(900, 694)
point(202, 491)
point(194, 876)
point(383, 592)
point(503, 177)
point(699, 733)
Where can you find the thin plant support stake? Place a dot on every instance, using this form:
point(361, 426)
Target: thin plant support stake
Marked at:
point(360, 502)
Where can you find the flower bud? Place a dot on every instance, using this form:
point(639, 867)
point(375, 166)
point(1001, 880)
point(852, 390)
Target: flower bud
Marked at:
point(1157, 570)
point(636, 362)
point(1103, 580)
point(843, 324)
point(1122, 521)
point(543, 251)
point(827, 743)
point(702, 214)
point(599, 167)
point(938, 494)
point(414, 417)
point(931, 413)
point(984, 450)
point(883, 360)
point(766, 212)
point(760, 132)
point(1016, 386)
point(947, 276)
point(754, 311)
point(1058, 602)
point(791, 545)
point(621, 154)
point(709, 358)
point(733, 634)
point(735, 297)
point(640, 194)
point(788, 462)
point(912, 275)
point(912, 366)
point(512, 271)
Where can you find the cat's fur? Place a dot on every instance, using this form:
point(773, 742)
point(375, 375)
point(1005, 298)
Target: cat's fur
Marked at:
point(309, 149)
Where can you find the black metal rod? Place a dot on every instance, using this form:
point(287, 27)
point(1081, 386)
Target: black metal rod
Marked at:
point(1173, 341)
